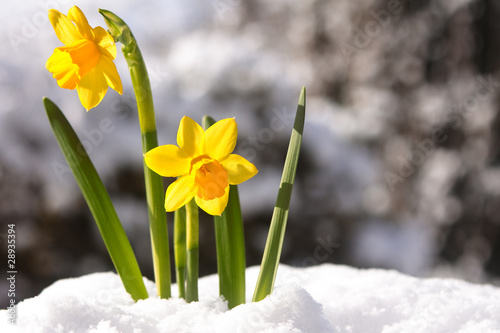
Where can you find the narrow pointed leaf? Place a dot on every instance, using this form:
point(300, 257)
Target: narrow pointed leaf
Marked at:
point(274, 243)
point(98, 200)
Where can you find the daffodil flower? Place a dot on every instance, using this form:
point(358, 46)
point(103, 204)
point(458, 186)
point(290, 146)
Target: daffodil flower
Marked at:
point(85, 63)
point(204, 163)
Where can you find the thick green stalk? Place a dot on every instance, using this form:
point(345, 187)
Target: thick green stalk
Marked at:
point(154, 184)
point(230, 244)
point(180, 249)
point(98, 200)
point(192, 247)
point(274, 242)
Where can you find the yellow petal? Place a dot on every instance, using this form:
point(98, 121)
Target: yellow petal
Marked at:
point(63, 69)
point(108, 68)
point(189, 137)
point(76, 15)
point(178, 193)
point(167, 161)
point(64, 28)
point(238, 168)
point(215, 206)
point(220, 139)
point(105, 41)
point(92, 89)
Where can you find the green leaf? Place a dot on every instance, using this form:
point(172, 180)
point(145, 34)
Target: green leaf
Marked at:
point(230, 244)
point(98, 200)
point(274, 243)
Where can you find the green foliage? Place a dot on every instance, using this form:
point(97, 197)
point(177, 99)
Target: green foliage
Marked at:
point(192, 248)
point(98, 200)
point(274, 242)
point(180, 249)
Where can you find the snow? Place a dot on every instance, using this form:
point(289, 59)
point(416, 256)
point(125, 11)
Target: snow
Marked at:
point(325, 298)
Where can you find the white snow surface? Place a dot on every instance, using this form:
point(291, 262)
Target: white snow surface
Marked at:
point(325, 298)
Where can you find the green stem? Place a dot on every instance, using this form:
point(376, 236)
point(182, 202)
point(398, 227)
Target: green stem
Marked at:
point(180, 249)
point(192, 246)
point(230, 244)
point(154, 184)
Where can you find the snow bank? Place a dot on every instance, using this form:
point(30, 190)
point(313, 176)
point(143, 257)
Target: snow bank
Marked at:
point(326, 298)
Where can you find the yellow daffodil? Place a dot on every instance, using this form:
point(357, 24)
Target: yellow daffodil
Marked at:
point(86, 60)
point(204, 164)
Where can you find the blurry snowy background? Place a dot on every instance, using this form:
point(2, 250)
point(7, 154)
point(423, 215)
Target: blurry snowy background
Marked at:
point(400, 166)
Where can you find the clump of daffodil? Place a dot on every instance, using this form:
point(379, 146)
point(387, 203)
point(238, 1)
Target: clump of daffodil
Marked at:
point(85, 63)
point(204, 163)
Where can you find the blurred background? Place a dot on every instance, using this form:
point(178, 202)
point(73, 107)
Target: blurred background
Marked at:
point(400, 166)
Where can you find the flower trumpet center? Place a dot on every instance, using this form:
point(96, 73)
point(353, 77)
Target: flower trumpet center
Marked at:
point(210, 178)
point(69, 64)
point(85, 55)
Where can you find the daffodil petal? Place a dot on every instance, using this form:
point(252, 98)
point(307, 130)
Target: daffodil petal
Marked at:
point(76, 15)
point(178, 193)
point(63, 69)
point(167, 161)
point(189, 137)
point(92, 89)
point(64, 28)
point(238, 168)
point(220, 139)
point(215, 206)
point(105, 41)
point(108, 68)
